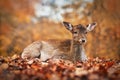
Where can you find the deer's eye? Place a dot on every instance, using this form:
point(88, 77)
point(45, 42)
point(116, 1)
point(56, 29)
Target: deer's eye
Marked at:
point(87, 25)
point(75, 32)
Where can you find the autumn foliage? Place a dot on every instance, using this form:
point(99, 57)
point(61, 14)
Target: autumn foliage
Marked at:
point(15, 68)
point(19, 27)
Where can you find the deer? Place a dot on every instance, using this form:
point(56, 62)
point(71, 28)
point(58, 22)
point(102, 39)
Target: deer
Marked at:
point(69, 49)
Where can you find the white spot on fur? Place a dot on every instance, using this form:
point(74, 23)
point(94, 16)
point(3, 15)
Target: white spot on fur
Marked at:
point(47, 51)
point(44, 56)
point(83, 55)
point(70, 26)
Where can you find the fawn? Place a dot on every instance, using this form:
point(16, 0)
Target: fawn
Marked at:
point(64, 49)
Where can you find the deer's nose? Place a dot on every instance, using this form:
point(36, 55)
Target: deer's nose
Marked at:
point(83, 40)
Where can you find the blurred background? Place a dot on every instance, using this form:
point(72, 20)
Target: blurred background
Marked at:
point(25, 21)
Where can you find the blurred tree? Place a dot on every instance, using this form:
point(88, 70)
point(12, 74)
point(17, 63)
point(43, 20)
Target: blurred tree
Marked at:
point(106, 39)
point(13, 18)
point(19, 24)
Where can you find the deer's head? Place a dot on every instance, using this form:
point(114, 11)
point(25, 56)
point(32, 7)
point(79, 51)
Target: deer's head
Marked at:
point(79, 31)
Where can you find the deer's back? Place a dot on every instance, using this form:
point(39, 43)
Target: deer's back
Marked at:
point(47, 49)
point(62, 45)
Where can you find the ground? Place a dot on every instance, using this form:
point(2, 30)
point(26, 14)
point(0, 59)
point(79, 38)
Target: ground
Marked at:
point(16, 68)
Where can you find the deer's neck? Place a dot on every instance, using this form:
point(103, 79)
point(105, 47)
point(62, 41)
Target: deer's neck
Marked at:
point(77, 52)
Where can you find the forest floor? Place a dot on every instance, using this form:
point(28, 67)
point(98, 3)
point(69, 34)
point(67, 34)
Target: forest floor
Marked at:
point(16, 68)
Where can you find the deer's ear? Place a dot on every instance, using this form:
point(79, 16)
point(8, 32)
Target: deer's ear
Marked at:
point(91, 26)
point(68, 26)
